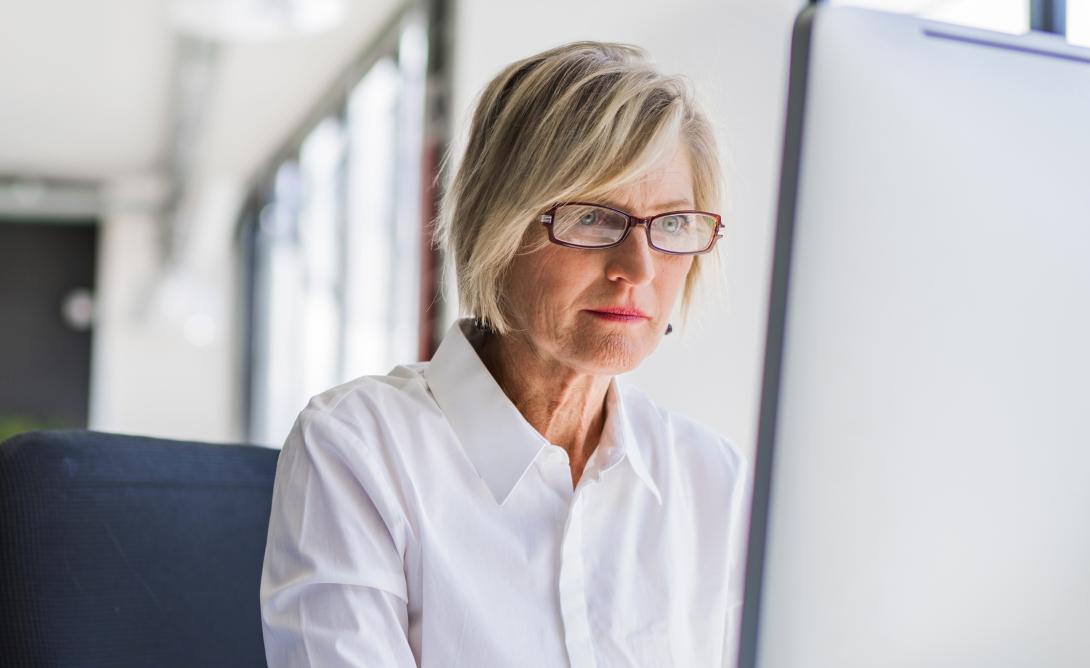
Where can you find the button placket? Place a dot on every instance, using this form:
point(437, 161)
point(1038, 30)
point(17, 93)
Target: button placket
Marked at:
point(573, 601)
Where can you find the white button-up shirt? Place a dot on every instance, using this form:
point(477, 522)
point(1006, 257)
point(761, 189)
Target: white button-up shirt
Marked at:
point(418, 519)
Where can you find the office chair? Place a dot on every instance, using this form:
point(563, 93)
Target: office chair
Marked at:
point(129, 551)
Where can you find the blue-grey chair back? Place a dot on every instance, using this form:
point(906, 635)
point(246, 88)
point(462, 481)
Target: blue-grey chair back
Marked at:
point(129, 551)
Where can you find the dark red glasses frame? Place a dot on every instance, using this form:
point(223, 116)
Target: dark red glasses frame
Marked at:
point(549, 216)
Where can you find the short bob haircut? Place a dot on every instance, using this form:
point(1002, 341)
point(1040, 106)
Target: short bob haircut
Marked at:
point(572, 123)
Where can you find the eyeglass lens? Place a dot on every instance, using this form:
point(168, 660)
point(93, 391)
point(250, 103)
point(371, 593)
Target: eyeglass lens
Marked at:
point(593, 227)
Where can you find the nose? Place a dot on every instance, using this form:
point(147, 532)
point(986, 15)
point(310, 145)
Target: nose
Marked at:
point(633, 261)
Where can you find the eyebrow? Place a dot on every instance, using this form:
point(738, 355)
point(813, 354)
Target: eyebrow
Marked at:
point(663, 206)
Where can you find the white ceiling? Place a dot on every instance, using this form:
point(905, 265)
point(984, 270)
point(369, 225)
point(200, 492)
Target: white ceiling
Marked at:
point(83, 86)
point(86, 88)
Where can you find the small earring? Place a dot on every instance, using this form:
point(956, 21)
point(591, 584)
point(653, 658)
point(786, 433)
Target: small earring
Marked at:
point(669, 328)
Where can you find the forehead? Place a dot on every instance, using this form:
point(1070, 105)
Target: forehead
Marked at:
point(669, 184)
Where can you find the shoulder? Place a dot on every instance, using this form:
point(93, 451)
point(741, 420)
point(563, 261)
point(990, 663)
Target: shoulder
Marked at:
point(366, 402)
point(340, 472)
point(365, 421)
point(357, 437)
point(400, 385)
point(682, 443)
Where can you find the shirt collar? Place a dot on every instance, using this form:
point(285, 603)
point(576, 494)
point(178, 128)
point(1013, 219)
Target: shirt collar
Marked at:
point(498, 440)
point(618, 431)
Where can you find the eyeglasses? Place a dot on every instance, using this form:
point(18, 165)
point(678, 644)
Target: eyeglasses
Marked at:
point(585, 225)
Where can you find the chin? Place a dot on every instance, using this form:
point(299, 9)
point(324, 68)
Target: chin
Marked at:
point(614, 354)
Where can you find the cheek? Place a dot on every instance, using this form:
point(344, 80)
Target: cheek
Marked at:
point(550, 279)
point(563, 273)
point(673, 275)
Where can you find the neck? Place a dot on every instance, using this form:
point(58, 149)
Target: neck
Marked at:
point(564, 405)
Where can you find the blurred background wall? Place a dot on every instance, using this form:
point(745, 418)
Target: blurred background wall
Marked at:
point(210, 211)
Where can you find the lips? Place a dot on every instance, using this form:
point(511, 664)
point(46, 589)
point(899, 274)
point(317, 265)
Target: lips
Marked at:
point(619, 314)
point(634, 312)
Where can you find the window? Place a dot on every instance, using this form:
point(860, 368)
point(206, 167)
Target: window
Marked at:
point(1078, 22)
point(340, 261)
point(1010, 16)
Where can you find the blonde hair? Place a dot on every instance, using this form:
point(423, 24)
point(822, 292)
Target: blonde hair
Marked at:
point(574, 122)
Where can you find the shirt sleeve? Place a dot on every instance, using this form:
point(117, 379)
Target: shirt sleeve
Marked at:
point(333, 588)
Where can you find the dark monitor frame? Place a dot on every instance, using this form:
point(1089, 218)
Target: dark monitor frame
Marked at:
point(777, 314)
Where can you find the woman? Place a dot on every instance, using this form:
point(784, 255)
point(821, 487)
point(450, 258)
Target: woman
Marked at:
point(510, 502)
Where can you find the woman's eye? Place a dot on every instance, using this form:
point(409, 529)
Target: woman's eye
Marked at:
point(672, 224)
point(588, 218)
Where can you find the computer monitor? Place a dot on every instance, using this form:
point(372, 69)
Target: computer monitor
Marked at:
point(922, 489)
